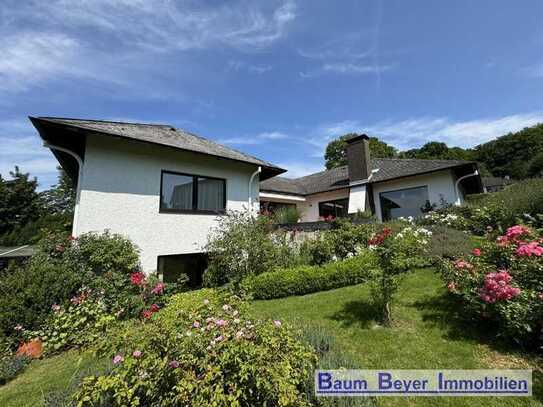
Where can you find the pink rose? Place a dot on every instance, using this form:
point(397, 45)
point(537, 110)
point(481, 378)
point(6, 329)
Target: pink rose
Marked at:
point(196, 324)
point(118, 359)
point(136, 354)
point(158, 289)
point(476, 252)
point(174, 364)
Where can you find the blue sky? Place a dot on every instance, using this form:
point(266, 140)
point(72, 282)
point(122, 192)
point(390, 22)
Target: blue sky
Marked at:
point(276, 79)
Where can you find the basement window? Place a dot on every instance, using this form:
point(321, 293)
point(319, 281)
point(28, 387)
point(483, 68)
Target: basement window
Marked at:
point(187, 193)
point(179, 268)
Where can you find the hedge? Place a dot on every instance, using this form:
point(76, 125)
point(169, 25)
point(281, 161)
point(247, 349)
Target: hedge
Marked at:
point(309, 279)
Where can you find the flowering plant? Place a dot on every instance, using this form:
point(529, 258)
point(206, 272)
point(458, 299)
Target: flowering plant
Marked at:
point(502, 281)
point(203, 350)
point(397, 254)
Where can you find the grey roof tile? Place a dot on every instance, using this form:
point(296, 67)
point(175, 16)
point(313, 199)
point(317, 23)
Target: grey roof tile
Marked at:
point(164, 135)
point(336, 178)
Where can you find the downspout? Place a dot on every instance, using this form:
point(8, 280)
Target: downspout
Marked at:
point(457, 183)
point(258, 171)
point(78, 185)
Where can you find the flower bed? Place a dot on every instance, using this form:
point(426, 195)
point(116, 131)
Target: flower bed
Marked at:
point(203, 350)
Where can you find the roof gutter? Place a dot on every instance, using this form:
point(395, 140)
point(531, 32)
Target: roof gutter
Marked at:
point(79, 178)
point(258, 171)
point(14, 250)
point(457, 183)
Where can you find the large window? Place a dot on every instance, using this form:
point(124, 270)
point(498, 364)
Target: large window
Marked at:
point(336, 209)
point(192, 193)
point(403, 202)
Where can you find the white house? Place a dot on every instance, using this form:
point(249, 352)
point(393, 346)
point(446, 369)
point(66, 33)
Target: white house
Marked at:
point(164, 188)
point(160, 186)
point(388, 188)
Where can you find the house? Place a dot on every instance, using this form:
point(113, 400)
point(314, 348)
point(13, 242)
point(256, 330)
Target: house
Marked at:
point(387, 187)
point(164, 188)
point(160, 186)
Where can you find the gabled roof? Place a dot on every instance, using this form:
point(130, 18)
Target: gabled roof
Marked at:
point(337, 178)
point(160, 134)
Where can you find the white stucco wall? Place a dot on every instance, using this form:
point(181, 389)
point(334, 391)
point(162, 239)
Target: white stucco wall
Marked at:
point(440, 184)
point(120, 191)
point(310, 208)
point(357, 199)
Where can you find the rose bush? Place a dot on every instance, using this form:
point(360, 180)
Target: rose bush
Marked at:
point(203, 350)
point(502, 281)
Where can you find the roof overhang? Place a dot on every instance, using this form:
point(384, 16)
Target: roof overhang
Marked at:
point(73, 137)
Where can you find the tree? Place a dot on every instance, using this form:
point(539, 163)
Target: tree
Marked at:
point(536, 166)
point(435, 150)
point(19, 202)
point(336, 150)
point(512, 154)
point(60, 199)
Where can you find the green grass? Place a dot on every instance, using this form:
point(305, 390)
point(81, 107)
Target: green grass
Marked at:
point(55, 374)
point(428, 333)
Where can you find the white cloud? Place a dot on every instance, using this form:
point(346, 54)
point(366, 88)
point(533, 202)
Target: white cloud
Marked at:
point(295, 169)
point(163, 25)
point(260, 138)
point(22, 146)
point(243, 66)
point(413, 133)
point(348, 68)
point(533, 71)
point(30, 57)
point(111, 40)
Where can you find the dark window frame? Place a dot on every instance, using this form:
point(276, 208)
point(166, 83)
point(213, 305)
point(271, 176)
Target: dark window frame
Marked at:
point(399, 190)
point(194, 209)
point(335, 207)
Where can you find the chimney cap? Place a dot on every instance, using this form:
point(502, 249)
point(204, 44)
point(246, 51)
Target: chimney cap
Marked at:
point(355, 139)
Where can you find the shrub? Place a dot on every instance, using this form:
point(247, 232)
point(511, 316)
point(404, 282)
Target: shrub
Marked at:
point(27, 294)
point(448, 243)
point(397, 253)
point(288, 214)
point(104, 253)
point(317, 251)
point(309, 279)
point(82, 322)
point(243, 245)
point(502, 282)
point(199, 352)
point(11, 366)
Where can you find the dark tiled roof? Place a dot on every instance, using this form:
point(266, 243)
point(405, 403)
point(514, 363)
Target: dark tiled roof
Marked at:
point(336, 178)
point(165, 135)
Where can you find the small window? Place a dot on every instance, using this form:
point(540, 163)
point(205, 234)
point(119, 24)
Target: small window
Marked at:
point(192, 193)
point(403, 202)
point(335, 209)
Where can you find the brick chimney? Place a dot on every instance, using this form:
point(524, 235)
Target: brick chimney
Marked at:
point(358, 158)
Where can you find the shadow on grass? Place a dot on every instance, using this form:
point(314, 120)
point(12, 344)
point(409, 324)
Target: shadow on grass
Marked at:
point(362, 313)
point(449, 315)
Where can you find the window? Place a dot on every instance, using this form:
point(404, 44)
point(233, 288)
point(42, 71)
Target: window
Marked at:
point(336, 209)
point(192, 193)
point(403, 202)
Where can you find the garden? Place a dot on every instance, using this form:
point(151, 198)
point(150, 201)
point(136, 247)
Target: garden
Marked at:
point(461, 287)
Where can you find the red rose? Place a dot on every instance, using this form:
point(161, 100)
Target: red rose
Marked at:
point(137, 278)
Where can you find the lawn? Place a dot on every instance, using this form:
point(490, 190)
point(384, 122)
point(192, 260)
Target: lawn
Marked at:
point(50, 377)
point(429, 332)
